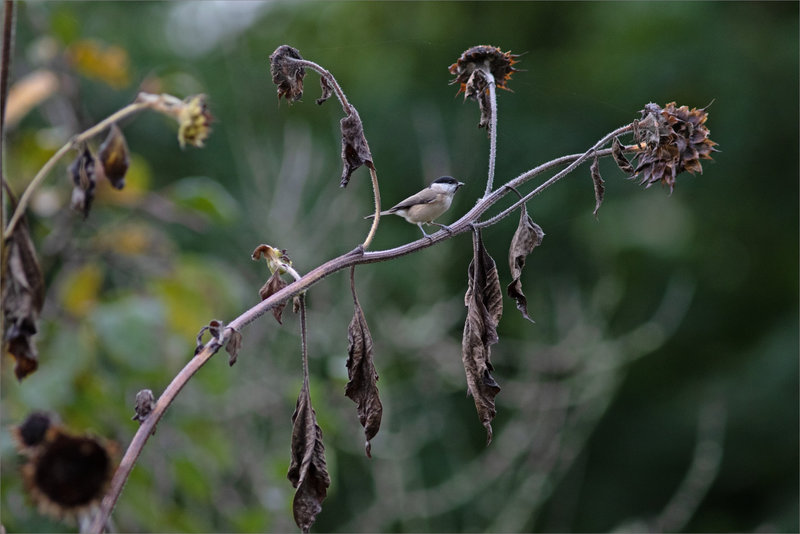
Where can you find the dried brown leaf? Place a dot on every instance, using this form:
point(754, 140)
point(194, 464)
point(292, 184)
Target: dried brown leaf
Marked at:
point(327, 90)
point(272, 286)
point(355, 149)
point(82, 172)
point(234, 346)
point(114, 157)
point(287, 74)
point(362, 387)
point(528, 236)
point(619, 157)
point(599, 188)
point(22, 298)
point(308, 472)
point(484, 302)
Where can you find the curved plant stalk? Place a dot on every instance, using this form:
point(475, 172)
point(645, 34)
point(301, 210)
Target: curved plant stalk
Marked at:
point(301, 284)
point(492, 133)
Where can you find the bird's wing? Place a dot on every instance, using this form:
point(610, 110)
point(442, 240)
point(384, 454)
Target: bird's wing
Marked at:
point(423, 197)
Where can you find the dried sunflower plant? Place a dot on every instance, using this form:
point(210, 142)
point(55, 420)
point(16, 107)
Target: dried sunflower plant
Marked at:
point(665, 141)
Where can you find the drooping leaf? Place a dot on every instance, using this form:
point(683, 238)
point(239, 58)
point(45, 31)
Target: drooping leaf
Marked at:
point(599, 188)
point(81, 170)
point(22, 298)
point(362, 387)
point(527, 237)
point(114, 157)
point(233, 346)
point(287, 74)
point(272, 286)
point(327, 90)
point(355, 150)
point(308, 471)
point(619, 157)
point(484, 302)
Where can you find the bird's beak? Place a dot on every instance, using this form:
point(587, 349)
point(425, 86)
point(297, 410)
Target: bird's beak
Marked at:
point(459, 185)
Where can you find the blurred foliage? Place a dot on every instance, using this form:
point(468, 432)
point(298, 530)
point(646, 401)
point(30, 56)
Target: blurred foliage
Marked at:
point(667, 319)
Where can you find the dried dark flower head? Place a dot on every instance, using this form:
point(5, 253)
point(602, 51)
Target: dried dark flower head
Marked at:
point(676, 139)
point(82, 172)
point(34, 431)
point(145, 402)
point(500, 64)
point(287, 74)
point(68, 475)
point(194, 121)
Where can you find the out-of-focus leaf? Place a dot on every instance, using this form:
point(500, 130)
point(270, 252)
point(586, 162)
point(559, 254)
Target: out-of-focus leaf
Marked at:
point(22, 298)
point(202, 194)
point(80, 289)
point(484, 302)
point(109, 64)
point(27, 93)
point(599, 188)
point(82, 172)
point(362, 387)
point(527, 237)
point(114, 157)
point(355, 149)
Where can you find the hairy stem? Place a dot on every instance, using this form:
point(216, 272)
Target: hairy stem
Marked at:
point(301, 284)
point(492, 132)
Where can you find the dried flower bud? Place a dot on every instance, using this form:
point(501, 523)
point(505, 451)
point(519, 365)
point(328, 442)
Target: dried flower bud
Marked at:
point(83, 178)
point(114, 157)
point(287, 74)
point(675, 139)
point(145, 402)
point(500, 64)
point(194, 121)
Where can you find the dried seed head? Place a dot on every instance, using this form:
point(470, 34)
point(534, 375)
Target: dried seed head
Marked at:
point(82, 172)
point(194, 121)
point(68, 474)
point(676, 139)
point(500, 64)
point(287, 74)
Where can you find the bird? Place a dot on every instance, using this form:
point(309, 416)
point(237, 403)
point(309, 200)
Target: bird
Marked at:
point(426, 205)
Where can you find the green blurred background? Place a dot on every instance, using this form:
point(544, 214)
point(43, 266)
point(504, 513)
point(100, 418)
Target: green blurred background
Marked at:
point(658, 389)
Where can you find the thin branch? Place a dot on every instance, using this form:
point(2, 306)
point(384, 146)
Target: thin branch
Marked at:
point(5, 70)
point(301, 284)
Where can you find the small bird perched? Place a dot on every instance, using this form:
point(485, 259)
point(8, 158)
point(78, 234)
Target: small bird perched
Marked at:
point(426, 205)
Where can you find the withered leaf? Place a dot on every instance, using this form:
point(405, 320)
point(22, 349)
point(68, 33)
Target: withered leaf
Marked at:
point(214, 327)
point(622, 162)
point(233, 346)
point(477, 89)
point(308, 472)
point(327, 90)
point(484, 302)
point(287, 74)
point(355, 150)
point(22, 298)
point(81, 170)
point(599, 188)
point(362, 387)
point(114, 157)
point(272, 286)
point(528, 236)
point(145, 402)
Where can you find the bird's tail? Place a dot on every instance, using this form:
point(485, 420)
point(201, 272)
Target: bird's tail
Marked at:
point(386, 212)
